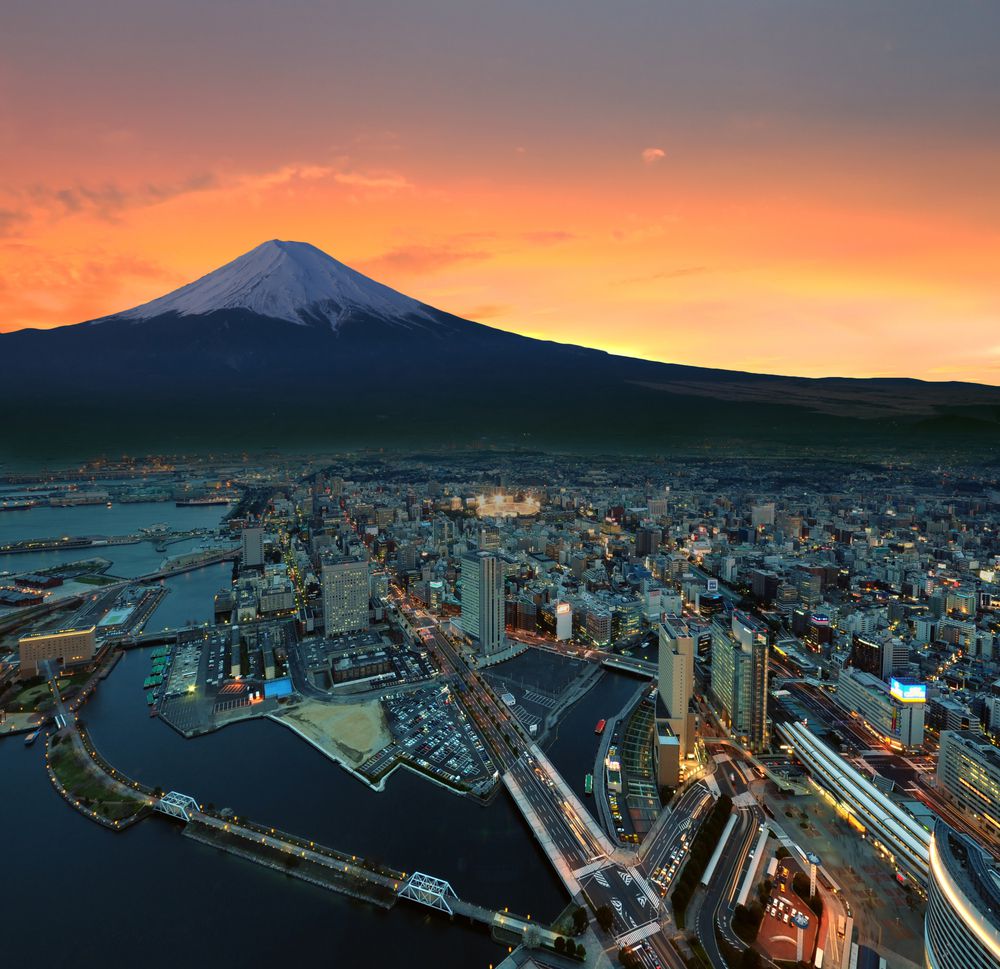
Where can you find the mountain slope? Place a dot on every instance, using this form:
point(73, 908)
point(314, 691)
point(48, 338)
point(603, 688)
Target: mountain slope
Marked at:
point(285, 346)
point(291, 281)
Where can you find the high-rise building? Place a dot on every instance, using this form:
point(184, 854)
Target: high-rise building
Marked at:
point(346, 592)
point(740, 677)
point(647, 541)
point(881, 659)
point(969, 770)
point(483, 600)
point(252, 547)
point(676, 662)
point(962, 925)
point(488, 538)
point(764, 585)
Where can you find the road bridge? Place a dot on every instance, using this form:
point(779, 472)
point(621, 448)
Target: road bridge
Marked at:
point(166, 573)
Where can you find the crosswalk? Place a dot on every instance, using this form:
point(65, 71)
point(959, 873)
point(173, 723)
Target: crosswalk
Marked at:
point(637, 934)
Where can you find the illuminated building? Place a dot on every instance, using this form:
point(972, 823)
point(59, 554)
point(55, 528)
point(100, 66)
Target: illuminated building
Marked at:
point(483, 600)
point(962, 925)
point(969, 770)
point(894, 710)
point(598, 626)
point(881, 659)
point(67, 647)
point(740, 677)
point(676, 680)
point(346, 593)
point(900, 836)
point(252, 547)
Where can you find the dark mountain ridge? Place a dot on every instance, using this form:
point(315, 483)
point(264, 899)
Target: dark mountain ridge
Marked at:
point(285, 346)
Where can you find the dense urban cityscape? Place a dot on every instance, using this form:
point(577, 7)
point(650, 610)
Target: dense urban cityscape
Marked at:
point(734, 714)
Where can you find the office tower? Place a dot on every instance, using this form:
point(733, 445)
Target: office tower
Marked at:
point(252, 547)
point(345, 596)
point(676, 661)
point(881, 659)
point(969, 770)
point(761, 515)
point(764, 585)
point(483, 600)
point(407, 557)
point(740, 677)
point(962, 925)
point(647, 541)
point(488, 538)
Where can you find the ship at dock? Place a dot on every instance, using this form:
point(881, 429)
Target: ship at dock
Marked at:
point(200, 502)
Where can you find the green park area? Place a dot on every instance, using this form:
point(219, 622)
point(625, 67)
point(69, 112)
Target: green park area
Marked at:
point(88, 785)
point(33, 695)
point(96, 579)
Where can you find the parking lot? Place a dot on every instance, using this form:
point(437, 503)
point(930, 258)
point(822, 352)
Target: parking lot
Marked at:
point(432, 732)
point(535, 682)
point(778, 936)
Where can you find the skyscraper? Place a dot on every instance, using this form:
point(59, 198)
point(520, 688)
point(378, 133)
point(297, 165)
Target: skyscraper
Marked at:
point(676, 660)
point(345, 596)
point(483, 600)
point(740, 677)
point(252, 547)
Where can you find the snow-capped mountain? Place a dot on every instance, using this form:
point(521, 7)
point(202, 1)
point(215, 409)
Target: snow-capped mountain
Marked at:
point(287, 346)
point(292, 281)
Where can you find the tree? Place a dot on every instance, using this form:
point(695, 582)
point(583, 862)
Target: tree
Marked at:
point(580, 919)
point(560, 944)
point(605, 917)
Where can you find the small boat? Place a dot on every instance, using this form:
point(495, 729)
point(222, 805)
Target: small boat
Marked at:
point(599, 729)
point(31, 738)
point(588, 784)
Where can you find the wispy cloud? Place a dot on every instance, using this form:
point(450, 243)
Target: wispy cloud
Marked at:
point(547, 237)
point(678, 273)
point(486, 311)
point(650, 156)
point(108, 200)
point(381, 181)
point(424, 259)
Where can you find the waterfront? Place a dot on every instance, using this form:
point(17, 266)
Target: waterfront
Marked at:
point(43, 521)
point(266, 774)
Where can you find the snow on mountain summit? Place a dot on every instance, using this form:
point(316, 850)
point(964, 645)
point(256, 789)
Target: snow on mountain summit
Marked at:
point(291, 281)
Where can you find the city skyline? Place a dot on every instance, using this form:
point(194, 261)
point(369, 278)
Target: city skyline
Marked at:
point(781, 191)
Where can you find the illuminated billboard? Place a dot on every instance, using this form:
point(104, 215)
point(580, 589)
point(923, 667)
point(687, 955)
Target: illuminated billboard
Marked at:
point(907, 691)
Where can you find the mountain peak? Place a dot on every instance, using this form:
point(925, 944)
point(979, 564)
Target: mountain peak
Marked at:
point(284, 280)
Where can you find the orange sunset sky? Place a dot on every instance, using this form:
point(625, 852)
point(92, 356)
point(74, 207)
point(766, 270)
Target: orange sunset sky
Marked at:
point(808, 188)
